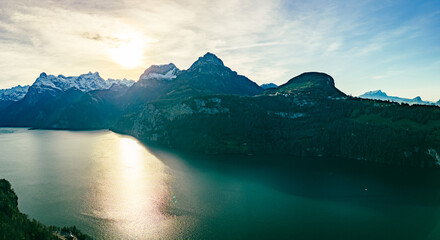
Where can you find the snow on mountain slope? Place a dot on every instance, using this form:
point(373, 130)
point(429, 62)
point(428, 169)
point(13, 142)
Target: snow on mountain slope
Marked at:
point(123, 82)
point(14, 93)
point(380, 95)
point(165, 72)
point(85, 82)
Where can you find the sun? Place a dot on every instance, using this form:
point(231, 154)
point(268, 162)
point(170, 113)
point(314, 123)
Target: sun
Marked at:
point(128, 54)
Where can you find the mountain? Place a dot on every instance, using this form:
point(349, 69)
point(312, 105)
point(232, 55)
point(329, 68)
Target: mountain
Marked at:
point(14, 93)
point(96, 108)
point(379, 95)
point(11, 95)
point(210, 109)
point(307, 116)
point(268, 85)
point(45, 94)
point(85, 83)
point(153, 84)
point(208, 75)
point(121, 82)
point(310, 84)
point(159, 72)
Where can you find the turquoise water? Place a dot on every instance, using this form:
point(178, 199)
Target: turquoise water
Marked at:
point(113, 187)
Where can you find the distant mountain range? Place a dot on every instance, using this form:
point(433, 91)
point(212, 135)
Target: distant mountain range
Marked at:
point(379, 95)
point(211, 109)
point(13, 94)
point(57, 85)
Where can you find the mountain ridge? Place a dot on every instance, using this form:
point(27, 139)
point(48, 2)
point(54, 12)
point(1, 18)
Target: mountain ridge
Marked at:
point(211, 109)
point(380, 95)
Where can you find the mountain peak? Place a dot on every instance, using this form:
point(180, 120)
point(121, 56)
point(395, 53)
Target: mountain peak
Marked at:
point(376, 93)
point(418, 98)
point(207, 59)
point(43, 75)
point(315, 83)
point(166, 72)
point(95, 74)
point(313, 78)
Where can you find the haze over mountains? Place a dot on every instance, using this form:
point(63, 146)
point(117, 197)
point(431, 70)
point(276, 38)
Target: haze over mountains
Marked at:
point(379, 95)
point(211, 109)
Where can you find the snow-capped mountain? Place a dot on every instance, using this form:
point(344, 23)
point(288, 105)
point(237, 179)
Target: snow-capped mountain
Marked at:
point(50, 95)
point(85, 83)
point(268, 85)
point(160, 72)
point(380, 95)
point(14, 93)
point(124, 82)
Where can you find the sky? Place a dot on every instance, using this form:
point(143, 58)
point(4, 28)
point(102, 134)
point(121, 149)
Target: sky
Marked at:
point(365, 45)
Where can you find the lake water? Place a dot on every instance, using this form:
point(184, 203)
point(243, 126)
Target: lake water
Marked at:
point(113, 187)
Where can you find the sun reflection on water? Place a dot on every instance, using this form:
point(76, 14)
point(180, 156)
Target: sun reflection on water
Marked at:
point(131, 191)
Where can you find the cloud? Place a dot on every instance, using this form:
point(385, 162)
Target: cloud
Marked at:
point(268, 41)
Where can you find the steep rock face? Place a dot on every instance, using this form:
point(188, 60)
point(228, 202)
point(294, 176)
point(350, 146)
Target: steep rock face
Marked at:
point(283, 125)
point(152, 123)
point(310, 84)
point(308, 116)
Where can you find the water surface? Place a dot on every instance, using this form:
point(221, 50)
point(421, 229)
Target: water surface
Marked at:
point(113, 187)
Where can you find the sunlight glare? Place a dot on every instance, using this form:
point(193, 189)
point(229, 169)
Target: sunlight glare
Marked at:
point(128, 54)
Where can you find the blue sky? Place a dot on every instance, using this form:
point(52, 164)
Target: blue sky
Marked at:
point(365, 45)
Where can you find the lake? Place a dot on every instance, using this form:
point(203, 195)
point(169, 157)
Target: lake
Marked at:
point(112, 186)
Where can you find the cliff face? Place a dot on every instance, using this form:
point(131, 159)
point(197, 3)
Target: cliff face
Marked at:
point(308, 116)
point(284, 125)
